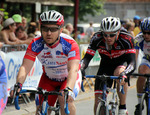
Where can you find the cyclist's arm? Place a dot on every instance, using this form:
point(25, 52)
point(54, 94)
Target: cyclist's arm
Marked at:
point(24, 70)
point(85, 61)
point(131, 63)
point(73, 67)
point(90, 51)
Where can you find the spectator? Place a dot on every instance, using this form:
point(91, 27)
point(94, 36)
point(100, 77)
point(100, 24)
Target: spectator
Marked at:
point(1, 20)
point(137, 21)
point(8, 36)
point(65, 31)
point(21, 34)
point(31, 29)
point(90, 31)
point(130, 25)
point(37, 29)
point(69, 27)
point(24, 22)
point(8, 32)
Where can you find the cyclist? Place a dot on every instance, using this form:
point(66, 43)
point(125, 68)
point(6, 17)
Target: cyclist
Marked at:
point(116, 48)
point(3, 86)
point(60, 58)
point(142, 41)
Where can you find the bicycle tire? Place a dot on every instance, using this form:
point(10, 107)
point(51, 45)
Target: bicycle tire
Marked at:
point(101, 109)
point(147, 103)
point(114, 112)
point(142, 104)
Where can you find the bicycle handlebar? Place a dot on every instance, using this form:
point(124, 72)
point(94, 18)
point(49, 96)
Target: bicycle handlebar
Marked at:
point(44, 92)
point(103, 77)
point(138, 74)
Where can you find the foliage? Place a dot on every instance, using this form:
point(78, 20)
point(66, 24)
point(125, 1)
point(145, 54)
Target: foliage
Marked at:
point(86, 7)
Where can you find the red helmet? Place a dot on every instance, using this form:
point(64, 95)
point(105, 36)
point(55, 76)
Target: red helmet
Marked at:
point(52, 17)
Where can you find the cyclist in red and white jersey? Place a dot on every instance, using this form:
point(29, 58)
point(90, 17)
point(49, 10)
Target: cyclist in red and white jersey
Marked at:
point(116, 48)
point(60, 57)
point(142, 41)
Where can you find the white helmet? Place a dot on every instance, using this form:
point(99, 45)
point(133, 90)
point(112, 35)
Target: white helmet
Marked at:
point(52, 17)
point(110, 24)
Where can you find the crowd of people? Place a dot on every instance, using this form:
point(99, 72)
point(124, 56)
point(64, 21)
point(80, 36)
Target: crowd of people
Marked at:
point(117, 43)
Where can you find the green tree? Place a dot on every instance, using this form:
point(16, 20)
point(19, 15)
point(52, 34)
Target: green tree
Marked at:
point(92, 7)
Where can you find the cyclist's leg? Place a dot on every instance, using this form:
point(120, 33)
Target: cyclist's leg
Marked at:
point(144, 68)
point(73, 94)
point(98, 92)
point(103, 69)
point(122, 97)
point(3, 96)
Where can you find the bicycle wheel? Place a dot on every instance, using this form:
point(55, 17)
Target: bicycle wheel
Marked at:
point(142, 104)
point(101, 109)
point(147, 103)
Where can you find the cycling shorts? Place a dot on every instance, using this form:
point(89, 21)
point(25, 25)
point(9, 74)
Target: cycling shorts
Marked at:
point(107, 71)
point(49, 85)
point(145, 62)
point(3, 96)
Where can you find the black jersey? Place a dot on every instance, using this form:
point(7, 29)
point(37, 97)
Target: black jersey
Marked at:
point(121, 52)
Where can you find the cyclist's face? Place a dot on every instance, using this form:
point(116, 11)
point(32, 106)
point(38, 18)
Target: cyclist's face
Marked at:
point(146, 35)
point(50, 33)
point(110, 37)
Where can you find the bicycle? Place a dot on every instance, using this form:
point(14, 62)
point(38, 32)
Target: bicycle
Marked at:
point(106, 107)
point(146, 95)
point(45, 106)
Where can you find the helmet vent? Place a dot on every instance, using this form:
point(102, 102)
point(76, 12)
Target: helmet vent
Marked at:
point(53, 15)
point(108, 24)
point(49, 15)
point(58, 16)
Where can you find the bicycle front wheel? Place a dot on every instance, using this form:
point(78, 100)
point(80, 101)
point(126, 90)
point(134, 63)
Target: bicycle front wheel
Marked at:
point(101, 109)
point(142, 104)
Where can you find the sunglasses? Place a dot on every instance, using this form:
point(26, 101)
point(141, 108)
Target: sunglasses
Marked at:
point(109, 35)
point(146, 33)
point(52, 29)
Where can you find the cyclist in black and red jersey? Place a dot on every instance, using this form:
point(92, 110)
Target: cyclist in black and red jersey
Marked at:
point(116, 48)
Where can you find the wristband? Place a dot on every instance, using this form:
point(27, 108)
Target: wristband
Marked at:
point(19, 85)
point(124, 76)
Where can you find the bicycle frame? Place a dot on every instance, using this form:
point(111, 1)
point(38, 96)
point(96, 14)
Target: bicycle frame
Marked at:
point(111, 105)
point(103, 100)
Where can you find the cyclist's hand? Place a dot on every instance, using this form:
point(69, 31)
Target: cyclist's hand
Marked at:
point(83, 74)
point(123, 77)
point(69, 93)
point(15, 89)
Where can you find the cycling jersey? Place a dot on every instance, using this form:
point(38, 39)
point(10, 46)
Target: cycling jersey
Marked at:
point(54, 58)
point(3, 86)
point(140, 43)
point(122, 51)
